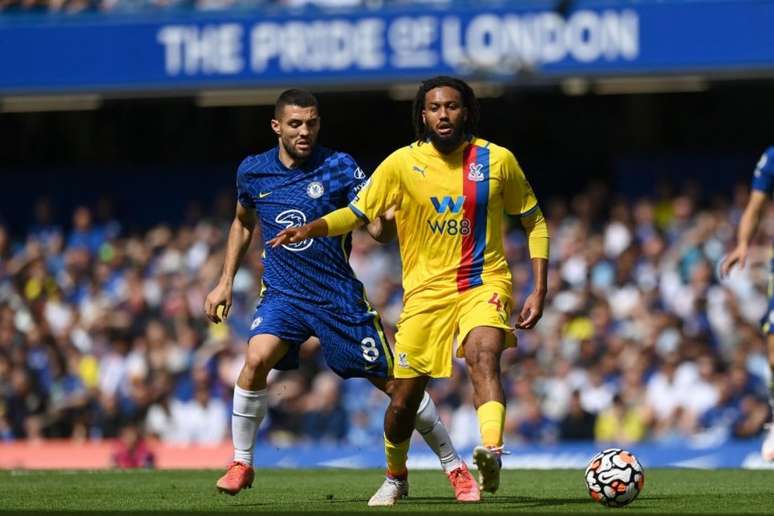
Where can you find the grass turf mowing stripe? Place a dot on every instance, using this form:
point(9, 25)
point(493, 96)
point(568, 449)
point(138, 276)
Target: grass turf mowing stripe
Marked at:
point(667, 491)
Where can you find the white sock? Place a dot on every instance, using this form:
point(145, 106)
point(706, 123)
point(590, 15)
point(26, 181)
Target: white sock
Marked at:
point(249, 410)
point(435, 434)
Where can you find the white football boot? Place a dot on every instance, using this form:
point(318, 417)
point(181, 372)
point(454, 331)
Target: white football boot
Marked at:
point(389, 493)
point(767, 449)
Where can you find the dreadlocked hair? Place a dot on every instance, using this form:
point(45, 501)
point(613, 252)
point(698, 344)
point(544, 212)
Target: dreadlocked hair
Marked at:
point(469, 101)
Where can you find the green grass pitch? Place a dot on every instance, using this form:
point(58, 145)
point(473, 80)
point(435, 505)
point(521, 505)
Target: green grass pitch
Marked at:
point(667, 491)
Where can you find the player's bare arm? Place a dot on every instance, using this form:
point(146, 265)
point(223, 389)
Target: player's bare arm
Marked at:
point(532, 310)
point(239, 237)
point(535, 227)
point(747, 227)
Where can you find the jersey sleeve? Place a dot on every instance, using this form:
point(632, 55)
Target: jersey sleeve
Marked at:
point(763, 177)
point(518, 197)
point(245, 195)
point(355, 177)
point(381, 191)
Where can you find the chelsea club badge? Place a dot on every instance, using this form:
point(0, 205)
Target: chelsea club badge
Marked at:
point(315, 190)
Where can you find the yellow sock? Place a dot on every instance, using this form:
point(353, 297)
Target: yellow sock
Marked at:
point(491, 420)
point(397, 455)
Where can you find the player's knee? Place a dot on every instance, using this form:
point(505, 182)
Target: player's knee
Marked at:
point(397, 408)
point(402, 407)
point(257, 363)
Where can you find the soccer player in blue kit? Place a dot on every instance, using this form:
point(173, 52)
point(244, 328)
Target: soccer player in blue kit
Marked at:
point(762, 189)
point(309, 288)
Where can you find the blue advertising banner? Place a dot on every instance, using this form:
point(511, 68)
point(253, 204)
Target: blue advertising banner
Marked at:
point(197, 50)
point(733, 454)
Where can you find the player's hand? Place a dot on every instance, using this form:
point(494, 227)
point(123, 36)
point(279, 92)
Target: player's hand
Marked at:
point(219, 296)
point(290, 236)
point(531, 312)
point(737, 256)
point(383, 228)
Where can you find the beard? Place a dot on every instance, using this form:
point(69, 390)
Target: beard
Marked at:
point(295, 153)
point(446, 144)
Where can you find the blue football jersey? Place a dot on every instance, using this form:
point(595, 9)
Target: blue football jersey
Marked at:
point(316, 270)
point(763, 177)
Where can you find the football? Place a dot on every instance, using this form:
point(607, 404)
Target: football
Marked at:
point(614, 477)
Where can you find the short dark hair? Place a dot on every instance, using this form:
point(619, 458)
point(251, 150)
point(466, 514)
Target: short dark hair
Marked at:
point(469, 101)
point(294, 97)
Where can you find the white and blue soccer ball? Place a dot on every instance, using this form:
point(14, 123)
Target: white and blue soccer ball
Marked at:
point(614, 477)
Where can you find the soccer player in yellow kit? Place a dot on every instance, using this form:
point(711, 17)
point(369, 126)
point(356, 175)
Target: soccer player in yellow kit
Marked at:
point(449, 190)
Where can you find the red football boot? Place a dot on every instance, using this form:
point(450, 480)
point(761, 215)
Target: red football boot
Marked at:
point(238, 476)
point(465, 486)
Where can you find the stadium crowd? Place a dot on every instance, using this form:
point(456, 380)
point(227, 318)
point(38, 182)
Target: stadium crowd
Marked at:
point(101, 329)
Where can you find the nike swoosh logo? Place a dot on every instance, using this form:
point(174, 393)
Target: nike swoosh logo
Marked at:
point(261, 195)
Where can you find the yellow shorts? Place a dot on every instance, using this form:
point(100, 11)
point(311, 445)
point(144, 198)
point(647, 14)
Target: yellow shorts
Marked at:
point(430, 322)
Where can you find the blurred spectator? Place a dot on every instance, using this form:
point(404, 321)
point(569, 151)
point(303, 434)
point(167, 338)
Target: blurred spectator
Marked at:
point(66, 413)
point(84, 233)
point(596, 394)
point(44, 228)
point(286, 405)
point(619, 424)
point(203, 420)
point(324, 418)
point(359, 433)
point(663, 397)
point(534, 426)
point(132, 450)
point(24, 406)
point(577, 425)
point(463, 428)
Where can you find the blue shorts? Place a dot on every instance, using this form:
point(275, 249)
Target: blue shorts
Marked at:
point(353, 344)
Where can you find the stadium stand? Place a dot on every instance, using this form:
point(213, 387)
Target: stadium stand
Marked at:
point(102, 329)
